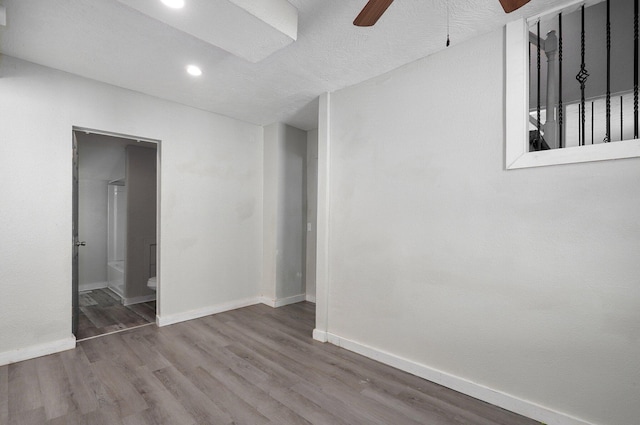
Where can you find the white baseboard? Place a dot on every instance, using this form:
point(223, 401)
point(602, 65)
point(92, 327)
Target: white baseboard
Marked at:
point(206, 311)
point(267, 301)
point(475, 390)
point(91, 286)
point(321, 336)
point(138, 300)
point(39, 350)
point(280, 302)
point(311, 298)
point(289, 300)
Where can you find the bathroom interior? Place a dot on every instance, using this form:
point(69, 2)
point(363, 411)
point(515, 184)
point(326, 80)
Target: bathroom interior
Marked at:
point(117, 265)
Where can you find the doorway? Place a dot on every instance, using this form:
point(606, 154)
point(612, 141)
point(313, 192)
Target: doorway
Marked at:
point(115, 242)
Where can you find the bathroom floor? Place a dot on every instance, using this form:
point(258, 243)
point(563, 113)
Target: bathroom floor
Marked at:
point(101, 312)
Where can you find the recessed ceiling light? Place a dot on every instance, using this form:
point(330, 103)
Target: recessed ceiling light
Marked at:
point(194, 70)
point(174, 4)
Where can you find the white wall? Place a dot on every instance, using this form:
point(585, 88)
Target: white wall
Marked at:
point(92, 229)
point(210, 189)
point(292, 214)
point(524, 282)
point(312, 213)
point(284, 209)
point(141, 222)
point(102, 157)
point(270, 212)
point(100, 161)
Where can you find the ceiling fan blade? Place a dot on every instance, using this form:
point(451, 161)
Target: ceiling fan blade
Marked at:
point(511, 5)
point(371, 12)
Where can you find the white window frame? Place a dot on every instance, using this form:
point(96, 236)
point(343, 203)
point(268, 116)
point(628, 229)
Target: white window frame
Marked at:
point(517, 153)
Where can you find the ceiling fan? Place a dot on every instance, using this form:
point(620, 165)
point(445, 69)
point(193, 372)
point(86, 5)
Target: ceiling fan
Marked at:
point(374, 9)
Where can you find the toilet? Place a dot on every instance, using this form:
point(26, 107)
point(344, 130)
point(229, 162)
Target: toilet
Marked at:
point(152, 283)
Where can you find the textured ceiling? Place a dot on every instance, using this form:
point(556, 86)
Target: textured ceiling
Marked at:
point(264, 30)
point(107, 41)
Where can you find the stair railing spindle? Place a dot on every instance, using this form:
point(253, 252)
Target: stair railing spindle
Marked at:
point(607, 136)
point(539, 138)
point(560, 111)
point(635, 69)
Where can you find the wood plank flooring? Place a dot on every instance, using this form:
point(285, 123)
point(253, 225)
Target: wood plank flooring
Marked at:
point(102, 312)
point(254, 366)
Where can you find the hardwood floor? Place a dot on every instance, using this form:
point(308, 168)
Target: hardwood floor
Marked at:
point(255, 365)
point(101, 312)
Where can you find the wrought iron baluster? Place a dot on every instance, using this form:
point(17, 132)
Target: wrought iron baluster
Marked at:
point(635, 69)
point(607, 136)
point(621, 121)
point(539, 138)
point(582, 77)
point(579, 126)
point(560, 111)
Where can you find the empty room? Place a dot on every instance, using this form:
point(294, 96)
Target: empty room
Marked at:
point(320, 212)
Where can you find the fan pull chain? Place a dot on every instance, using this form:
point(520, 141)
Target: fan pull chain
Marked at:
point(448, 39)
